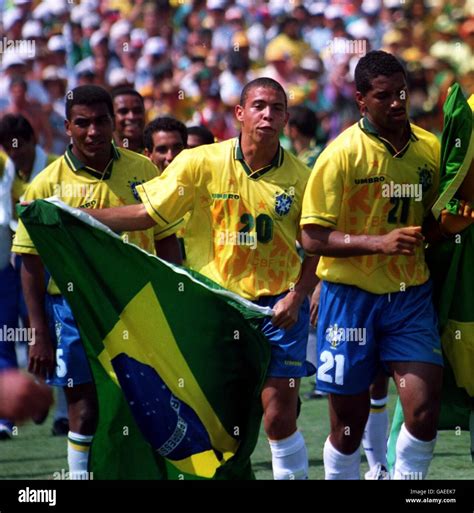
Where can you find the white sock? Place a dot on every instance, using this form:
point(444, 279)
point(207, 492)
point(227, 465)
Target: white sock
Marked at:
point(374, 440)
point(289, 457)
point(61, 405)
point(78, 455)
point(413, 456)
point(338, 465)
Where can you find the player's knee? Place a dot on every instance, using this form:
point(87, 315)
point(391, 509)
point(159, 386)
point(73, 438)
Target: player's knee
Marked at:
point(278, 426)
point(422, 422)
point(346, 440)
point(83, 418)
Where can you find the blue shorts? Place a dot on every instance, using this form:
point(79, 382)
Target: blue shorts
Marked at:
point(357, 330)
point(72, 366)
point(288, 347)
point(9, 314)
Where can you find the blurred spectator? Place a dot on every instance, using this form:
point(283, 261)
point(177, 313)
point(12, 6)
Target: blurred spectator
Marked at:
point(55, 82)
point(21, 103)
point(288, 41)
point(129, 110)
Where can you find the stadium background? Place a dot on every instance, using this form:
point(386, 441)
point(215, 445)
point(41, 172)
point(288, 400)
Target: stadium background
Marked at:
point(191, 59)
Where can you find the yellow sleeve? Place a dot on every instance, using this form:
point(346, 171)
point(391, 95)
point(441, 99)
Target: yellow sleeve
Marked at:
point(167, 198)
point(323, 195)
point(22, 243)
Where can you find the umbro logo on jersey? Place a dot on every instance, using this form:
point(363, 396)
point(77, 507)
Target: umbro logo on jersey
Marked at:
point(225, 196)
point(371, 179)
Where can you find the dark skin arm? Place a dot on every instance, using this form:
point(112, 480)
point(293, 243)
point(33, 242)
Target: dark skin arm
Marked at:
point(327, 242)
point(287, 309)
point(123, 219)
point(41, 355)
point(449, 224)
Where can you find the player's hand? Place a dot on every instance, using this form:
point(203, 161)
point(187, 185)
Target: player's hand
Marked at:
point(314, 305)
point(401, 241)
point(451, 224)
point(21, 397)
point(41, 361)
point(287, 310)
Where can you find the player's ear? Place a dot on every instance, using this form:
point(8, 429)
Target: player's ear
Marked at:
point(67, 124)
point(239, 112)
point(360, 102)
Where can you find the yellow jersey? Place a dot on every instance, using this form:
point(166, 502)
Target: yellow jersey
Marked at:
point(242, 224)
point(361, 185)
point(80, 186)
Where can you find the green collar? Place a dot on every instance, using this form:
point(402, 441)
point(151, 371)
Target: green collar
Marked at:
point(366, 126)
point(277, 161)
point(76, 165)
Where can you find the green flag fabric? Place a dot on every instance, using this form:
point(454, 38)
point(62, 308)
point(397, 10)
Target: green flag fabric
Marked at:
point(457, 149)
point(178, 362)
point(452, 272)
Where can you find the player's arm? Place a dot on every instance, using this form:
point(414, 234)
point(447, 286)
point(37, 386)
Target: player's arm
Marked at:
point(41, 354)
point(320, 240)
point(287, 309)
point(123, 219)
point(168, 249)
point(448, 224)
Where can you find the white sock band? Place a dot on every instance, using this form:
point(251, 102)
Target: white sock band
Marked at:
point(374, 439)
point(413, 456)
point(289, 457)
point(78, 455)
point(338, 465)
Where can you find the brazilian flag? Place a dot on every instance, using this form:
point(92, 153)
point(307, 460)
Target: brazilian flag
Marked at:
point(178, 362)
point(451, 265)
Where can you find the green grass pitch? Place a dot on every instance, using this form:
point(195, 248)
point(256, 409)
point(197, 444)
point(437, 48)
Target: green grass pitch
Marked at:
point(35, 454)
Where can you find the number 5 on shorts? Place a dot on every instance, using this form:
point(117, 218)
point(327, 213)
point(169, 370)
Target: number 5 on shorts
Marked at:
point(61, 369)
point(325, 370)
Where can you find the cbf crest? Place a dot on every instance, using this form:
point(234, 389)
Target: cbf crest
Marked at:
point(283, 202)
point(425, 177)
point(133, 186)
point(334, 335)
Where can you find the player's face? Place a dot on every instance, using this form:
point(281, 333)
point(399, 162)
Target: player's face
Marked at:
point(129, 117)
point(385, 105)
point(166, 145)
point(263, 116)
point(91, 128)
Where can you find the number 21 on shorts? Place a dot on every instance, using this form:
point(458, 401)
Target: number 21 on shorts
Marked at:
point(331, 369)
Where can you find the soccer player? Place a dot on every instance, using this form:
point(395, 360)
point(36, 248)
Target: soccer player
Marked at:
point(29, 158)
point(165, 137)
point(244, 196)
point(19, 141)
point(199, 135)
point(363, 210)
point(96, 174)
point(301, 131)
point(129, 112)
